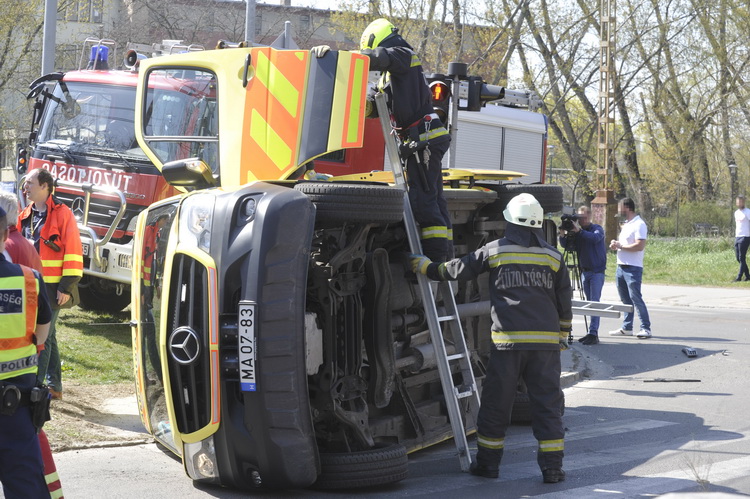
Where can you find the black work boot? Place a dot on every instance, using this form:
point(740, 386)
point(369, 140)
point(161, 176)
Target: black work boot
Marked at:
point(553, 475)
point(483, 470)
point(589, 339)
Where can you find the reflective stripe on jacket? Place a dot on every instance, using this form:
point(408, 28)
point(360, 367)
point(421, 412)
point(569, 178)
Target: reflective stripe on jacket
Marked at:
point(530, 292)
point(18, 307)
point(61, 269)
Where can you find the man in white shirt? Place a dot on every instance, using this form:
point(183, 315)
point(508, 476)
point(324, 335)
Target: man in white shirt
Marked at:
point(742, 237)
point(630, 247)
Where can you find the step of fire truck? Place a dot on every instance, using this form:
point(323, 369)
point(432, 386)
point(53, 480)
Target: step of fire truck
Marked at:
point(443, 328)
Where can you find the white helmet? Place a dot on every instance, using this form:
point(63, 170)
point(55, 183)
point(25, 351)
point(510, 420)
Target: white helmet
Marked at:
point(524, 210)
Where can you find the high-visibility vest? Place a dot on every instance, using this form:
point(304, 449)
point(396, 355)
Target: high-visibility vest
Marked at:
point(18, 304)
point(60, 222)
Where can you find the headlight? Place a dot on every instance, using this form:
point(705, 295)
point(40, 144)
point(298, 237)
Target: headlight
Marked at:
point(200, 460)
point(196, 220)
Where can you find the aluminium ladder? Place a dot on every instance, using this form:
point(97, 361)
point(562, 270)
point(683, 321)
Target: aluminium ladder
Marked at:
point(452, 392)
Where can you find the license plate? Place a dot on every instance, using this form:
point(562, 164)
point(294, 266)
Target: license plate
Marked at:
point(247, 346)
point(85, 249)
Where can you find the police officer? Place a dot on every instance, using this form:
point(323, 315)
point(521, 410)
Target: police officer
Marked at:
point(420, 130)
point(24, 323)
point(530, 295)
point(52, 228)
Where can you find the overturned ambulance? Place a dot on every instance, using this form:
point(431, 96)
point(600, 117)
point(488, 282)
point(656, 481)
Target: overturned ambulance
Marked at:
point(279, 338)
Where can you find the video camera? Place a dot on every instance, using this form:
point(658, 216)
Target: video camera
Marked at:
point(567, 221)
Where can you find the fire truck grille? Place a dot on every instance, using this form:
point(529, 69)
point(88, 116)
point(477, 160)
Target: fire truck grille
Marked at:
point(188, 344)
point(102, 212)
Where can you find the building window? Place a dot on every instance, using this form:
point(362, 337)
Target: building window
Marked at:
point(96, 11)
point(82, 11)
point(258, 24)
point(304, 22)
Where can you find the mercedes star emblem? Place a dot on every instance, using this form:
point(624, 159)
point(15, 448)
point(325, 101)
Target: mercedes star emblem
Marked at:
point(184, 345)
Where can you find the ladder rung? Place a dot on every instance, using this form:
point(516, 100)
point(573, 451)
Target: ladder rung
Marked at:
point(463, 395)
point(446, 318)
point(456, 356)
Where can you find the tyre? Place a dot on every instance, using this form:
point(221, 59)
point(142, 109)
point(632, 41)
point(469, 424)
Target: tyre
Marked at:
point(100, 295)
point(380, 465)
point(549, 196)
point(368, 203)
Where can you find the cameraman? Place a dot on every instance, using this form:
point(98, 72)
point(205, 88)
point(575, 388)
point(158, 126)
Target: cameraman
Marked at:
point(588, 241)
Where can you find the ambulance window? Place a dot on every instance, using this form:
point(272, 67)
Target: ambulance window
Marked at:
point(154, 240)
point(181, 117)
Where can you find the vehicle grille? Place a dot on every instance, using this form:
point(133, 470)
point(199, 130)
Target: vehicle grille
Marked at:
point(102, 212)
point(188, 308)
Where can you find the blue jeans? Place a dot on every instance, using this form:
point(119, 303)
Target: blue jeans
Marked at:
point(593, 282)
point(628, 279)
point(49, 359)
point(741, 245)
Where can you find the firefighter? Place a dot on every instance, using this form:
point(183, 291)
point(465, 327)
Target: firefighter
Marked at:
point(530, 296)
point(24, 323)
point(51, 227)
point(423, 138)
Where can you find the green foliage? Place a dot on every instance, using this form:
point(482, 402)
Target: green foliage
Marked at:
point(690, 214)
point(94, 349)
point(691, 261)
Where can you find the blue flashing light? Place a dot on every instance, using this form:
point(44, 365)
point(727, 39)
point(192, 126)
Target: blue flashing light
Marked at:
point(99, 57)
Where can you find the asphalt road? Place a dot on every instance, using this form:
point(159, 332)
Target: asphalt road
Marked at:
point(644, 420)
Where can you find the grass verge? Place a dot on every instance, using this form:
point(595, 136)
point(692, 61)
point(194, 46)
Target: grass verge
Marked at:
point(689, 261)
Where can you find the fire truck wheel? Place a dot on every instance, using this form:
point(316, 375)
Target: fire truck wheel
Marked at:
point(549, 196)
point(354, 202)
point(101, 296)
point(380, 465)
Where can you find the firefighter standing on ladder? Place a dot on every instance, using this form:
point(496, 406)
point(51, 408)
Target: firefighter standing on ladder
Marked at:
point(531, 295)
point(423, 138)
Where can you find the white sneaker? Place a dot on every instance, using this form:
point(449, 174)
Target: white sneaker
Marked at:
point(644, 334)
point(621, 332)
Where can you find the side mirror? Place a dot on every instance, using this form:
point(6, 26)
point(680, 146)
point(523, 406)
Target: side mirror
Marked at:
point(191, 173)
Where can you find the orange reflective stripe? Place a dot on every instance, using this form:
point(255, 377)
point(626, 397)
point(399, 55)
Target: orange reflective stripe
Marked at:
point(273, 113)
point(32, 300)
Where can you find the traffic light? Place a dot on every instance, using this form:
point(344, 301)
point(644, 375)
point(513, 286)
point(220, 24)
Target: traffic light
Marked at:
point(440, 91)
point(21, 159)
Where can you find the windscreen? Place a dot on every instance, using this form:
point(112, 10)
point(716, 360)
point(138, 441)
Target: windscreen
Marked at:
point(91, 118)
point(181, 118)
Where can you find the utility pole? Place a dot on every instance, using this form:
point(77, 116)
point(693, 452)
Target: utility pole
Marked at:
point(250, 21)
point(48, 36)
point(604, 206)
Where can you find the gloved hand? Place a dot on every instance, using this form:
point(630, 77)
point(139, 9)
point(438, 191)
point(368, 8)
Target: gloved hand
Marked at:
point(419, 263)
point(320, 50)
point(564, 344)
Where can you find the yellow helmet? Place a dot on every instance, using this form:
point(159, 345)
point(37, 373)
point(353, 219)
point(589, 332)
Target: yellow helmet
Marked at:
point(376, 33)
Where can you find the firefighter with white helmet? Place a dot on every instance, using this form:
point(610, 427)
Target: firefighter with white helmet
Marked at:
point(530, 294)
point(423, 137)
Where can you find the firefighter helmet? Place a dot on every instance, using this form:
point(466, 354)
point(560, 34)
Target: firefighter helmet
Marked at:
point(524, 210)
point(376, 33)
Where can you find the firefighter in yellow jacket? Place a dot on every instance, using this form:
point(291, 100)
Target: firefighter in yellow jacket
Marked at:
point(24, 321)
point(52, 228)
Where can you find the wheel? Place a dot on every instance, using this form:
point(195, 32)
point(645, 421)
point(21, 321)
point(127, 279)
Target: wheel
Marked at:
point(368, 203)
point(549, 196)
point(380, 465)
point(100, 295)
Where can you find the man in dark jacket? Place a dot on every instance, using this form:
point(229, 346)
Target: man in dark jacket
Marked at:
point(587, 240)
point(423, 137)
point(530, 296)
